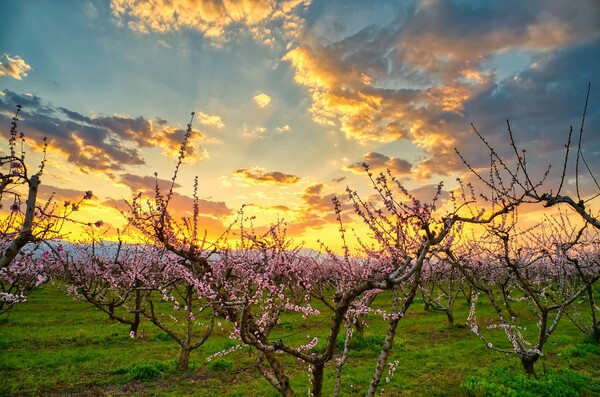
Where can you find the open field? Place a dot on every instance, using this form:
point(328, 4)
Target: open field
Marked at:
point(53, 345)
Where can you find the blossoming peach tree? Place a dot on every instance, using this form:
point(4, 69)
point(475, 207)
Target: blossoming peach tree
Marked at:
point(551, 267)
point(254, 281)
point(540, 264)
point(25, 226)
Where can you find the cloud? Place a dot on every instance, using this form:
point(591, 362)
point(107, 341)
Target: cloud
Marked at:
point(283, 129)
point(426, 193)
point(255, 133)
point(258, 175)
point(315, 200)
point(146, 184)
point(210, 120)
point(217, 20)
point(380, 163)
point(180, 205)
point(417, 77)
point(58, 193)
point(99, 143)
point(541, 103)
point(13, 66)
point(262, 100)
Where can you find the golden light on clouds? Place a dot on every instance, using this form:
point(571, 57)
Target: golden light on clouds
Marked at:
point(307, 91)
point(259, 175)
point(13, 66)
point(216, 19)
point(210, 120)
point(381, 163)
point(262, 100)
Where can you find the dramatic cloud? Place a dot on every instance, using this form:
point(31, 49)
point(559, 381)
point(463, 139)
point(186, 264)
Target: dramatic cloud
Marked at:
point(380, 163)
point(13, 66)
point(262, 100)
point(215, 19)
point(258, 175)
point(100, 143)
point(418, 76)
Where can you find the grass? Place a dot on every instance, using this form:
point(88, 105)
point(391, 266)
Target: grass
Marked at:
point(53, 345)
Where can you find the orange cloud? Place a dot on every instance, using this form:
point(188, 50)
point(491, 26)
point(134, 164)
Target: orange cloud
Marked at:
point(100, 142)
point(216, 19)
point(258, 175)
point(13, 66)
point(417, 77)
point(380, 163)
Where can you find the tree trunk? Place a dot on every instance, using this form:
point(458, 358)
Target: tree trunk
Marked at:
point(528, 362)
point(360, 325)
point(317, 388)
point(385, 352)
point(595, 324)
point(284, 383)
point(390, 334)
point(450, 317)
point(25, 235)
point(184, 358)
point(135, 324)
point(138, 307)
point(468, 295)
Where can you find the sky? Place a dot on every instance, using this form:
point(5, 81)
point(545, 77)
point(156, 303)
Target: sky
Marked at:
point(291, 97)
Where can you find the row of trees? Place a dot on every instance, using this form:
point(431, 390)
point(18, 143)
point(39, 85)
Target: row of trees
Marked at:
point(471, 244)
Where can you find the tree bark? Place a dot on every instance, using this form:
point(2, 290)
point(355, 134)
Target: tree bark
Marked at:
point(25, 236)
point(184, 358)
point(528, 362)
point(450, 317)
point(317, 390)
point(385, 352)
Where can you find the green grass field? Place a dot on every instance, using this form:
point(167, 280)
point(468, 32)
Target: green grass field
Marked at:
point(55, 346)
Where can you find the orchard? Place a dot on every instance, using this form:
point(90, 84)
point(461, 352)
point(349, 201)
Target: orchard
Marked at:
point(297, 318)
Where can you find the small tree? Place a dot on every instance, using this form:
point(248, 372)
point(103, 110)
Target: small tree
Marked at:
point(27, 225)
point(536, 260)
point(109, 275)
point(441, 284)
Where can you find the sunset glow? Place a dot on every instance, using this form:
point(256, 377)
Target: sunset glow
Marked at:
point(291, 97)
